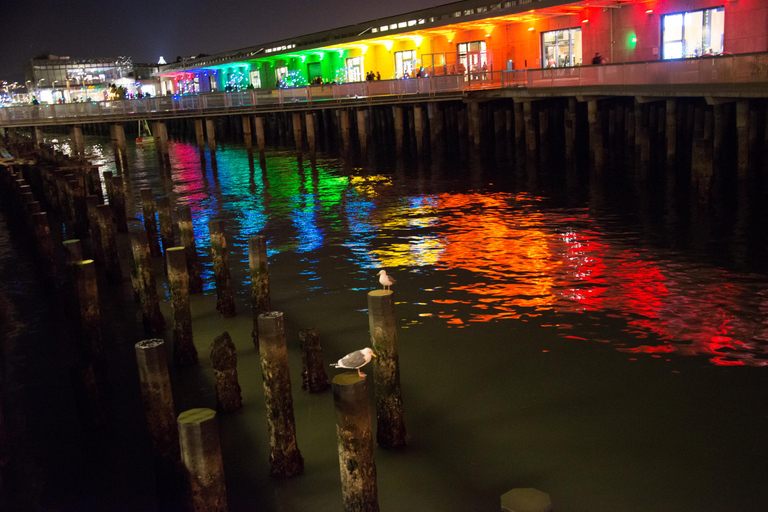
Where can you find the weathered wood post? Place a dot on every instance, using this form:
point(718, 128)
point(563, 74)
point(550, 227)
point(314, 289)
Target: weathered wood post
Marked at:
point(97, 245)
point(161, 144)
point(201, 456)
point(284, 456)
point(398, 114)
point(122, 148)
point(296, 123)
point(742, 137)
point(310, 122)
point(187, 237)
point(596, 144)
point(225, 298)
point(119, 204)
point(474, 123)
point(313, 376)
point(109, 188)
point(109, 242)
point(390, 431)
point(362, 133)
point(260, 133)
point(355, 443)
point(93, 183)
point(344, 123)
point(76, 134)
point(258, 265)
point(45, 243)
point(152, 317)
point(210, 128)
point(224, 362)
point(160, 418)
point(184, 351)
point(199, 137)
point(88, 302)
point(165, 221)
point(150, 222)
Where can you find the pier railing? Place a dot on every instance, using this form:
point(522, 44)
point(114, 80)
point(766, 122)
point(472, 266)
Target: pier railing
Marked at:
point(746, 68)
point(99, 111)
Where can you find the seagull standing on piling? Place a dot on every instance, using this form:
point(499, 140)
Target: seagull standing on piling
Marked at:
point(385, 279)
point(355, 360)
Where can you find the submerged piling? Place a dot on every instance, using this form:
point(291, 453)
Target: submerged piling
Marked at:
point(152, 317)
point(184, 351)
point(313, 376)
point(355, 443)
point(390, 431)
point(284, 457)
point(225, 298)
point(160, 418)
point(201, 456)
point(224, 362)
point(119, 204)
point(258, 264)
point(187, 238)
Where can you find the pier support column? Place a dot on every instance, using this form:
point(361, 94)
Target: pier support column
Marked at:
point(199, 136)
point(701, 157)
point(344, 129)
point(398, 113)
point(436, 125)
point(247, 138)
point(742, 135)
point(161, 144)
point(530, 136)
point(210, 128)
point(38, 136)
point(544, 133)
point(309, 119)
point(76, 136)
point(418, 124)
point(121, 147)
point(260, 133)
point(671, 134)
point(570, 136)
point(474, 123)
point(519, 122)
point(719, 129)
point(596, 151)
point(296, 122)
point(362, 133)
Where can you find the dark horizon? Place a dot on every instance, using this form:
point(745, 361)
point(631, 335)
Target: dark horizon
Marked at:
point(82, 29)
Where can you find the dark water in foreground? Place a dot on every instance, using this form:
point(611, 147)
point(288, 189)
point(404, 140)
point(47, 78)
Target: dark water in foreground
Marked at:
point(602, 343)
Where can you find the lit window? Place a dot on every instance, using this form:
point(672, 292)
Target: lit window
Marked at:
point(411, 23)
point(457, 14)
point(508, 4)
point(482, 9)
point(384, 28)
point(402, 24)
point(693, 33)
point(467, 12)
point(393, 26)
point(374, 30)
point(421, 21)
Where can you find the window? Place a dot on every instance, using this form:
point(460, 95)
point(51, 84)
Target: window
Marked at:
point(256, 79)
point(355, 69)
point(472, 57)
point(561, 48)
point(405, 62)
point(280, 73)
point(693, 34)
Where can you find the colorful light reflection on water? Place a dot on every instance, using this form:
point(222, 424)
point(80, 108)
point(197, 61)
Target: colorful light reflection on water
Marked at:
point(498, 256)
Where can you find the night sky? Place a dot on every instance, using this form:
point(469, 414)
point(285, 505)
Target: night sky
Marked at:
point(147, 29)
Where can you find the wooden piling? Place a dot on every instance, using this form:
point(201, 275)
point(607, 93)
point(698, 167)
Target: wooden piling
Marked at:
point(184, 351)
point(313, 376)
point(398, 114)
point(296, 123)
point(109, 243)
point(742, 137)
point(150, 223)
point(45, 243)
point(362, 133)
point(121, 152)
point(88, 303)
point(152, 317)
point(260, 133)
point(258, 265)
point(187, 237)
point(160, 419)
point(310, 122)
point(109, 188)
point(225, 298)
point(224, 362)
point(285, 460)
point(165, 221)
point(210, 128)
point(201, 455)
point(390, 431)
point(355, 443)
point(119, 204)
point(671, 135)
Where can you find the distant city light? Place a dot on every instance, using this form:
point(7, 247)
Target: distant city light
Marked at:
point(162, 60)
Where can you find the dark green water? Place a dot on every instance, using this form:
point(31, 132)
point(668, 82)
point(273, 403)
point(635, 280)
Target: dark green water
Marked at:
point(604, 343)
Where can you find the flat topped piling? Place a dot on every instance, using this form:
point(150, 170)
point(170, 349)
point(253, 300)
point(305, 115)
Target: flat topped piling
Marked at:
point(160, 417)
point(201, 456)
point(284, 457)
point(152, 317)
point(258, 265)
point(187, 237)
point(184, 351)
point(390, 431)
point(225, 298)
point(355, 443)
point(224, 362)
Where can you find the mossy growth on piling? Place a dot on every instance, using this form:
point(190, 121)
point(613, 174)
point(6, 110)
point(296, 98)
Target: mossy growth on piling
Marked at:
point(225, 299)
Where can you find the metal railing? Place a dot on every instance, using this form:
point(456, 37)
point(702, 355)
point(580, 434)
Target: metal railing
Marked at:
point(746, 68)
point(63, 113)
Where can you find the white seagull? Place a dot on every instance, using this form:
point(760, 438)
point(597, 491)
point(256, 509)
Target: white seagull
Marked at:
point(385, 280)
point(355, 360)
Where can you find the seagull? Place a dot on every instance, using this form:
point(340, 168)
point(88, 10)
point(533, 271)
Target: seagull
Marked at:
point(355, 360)
point(385, 280)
